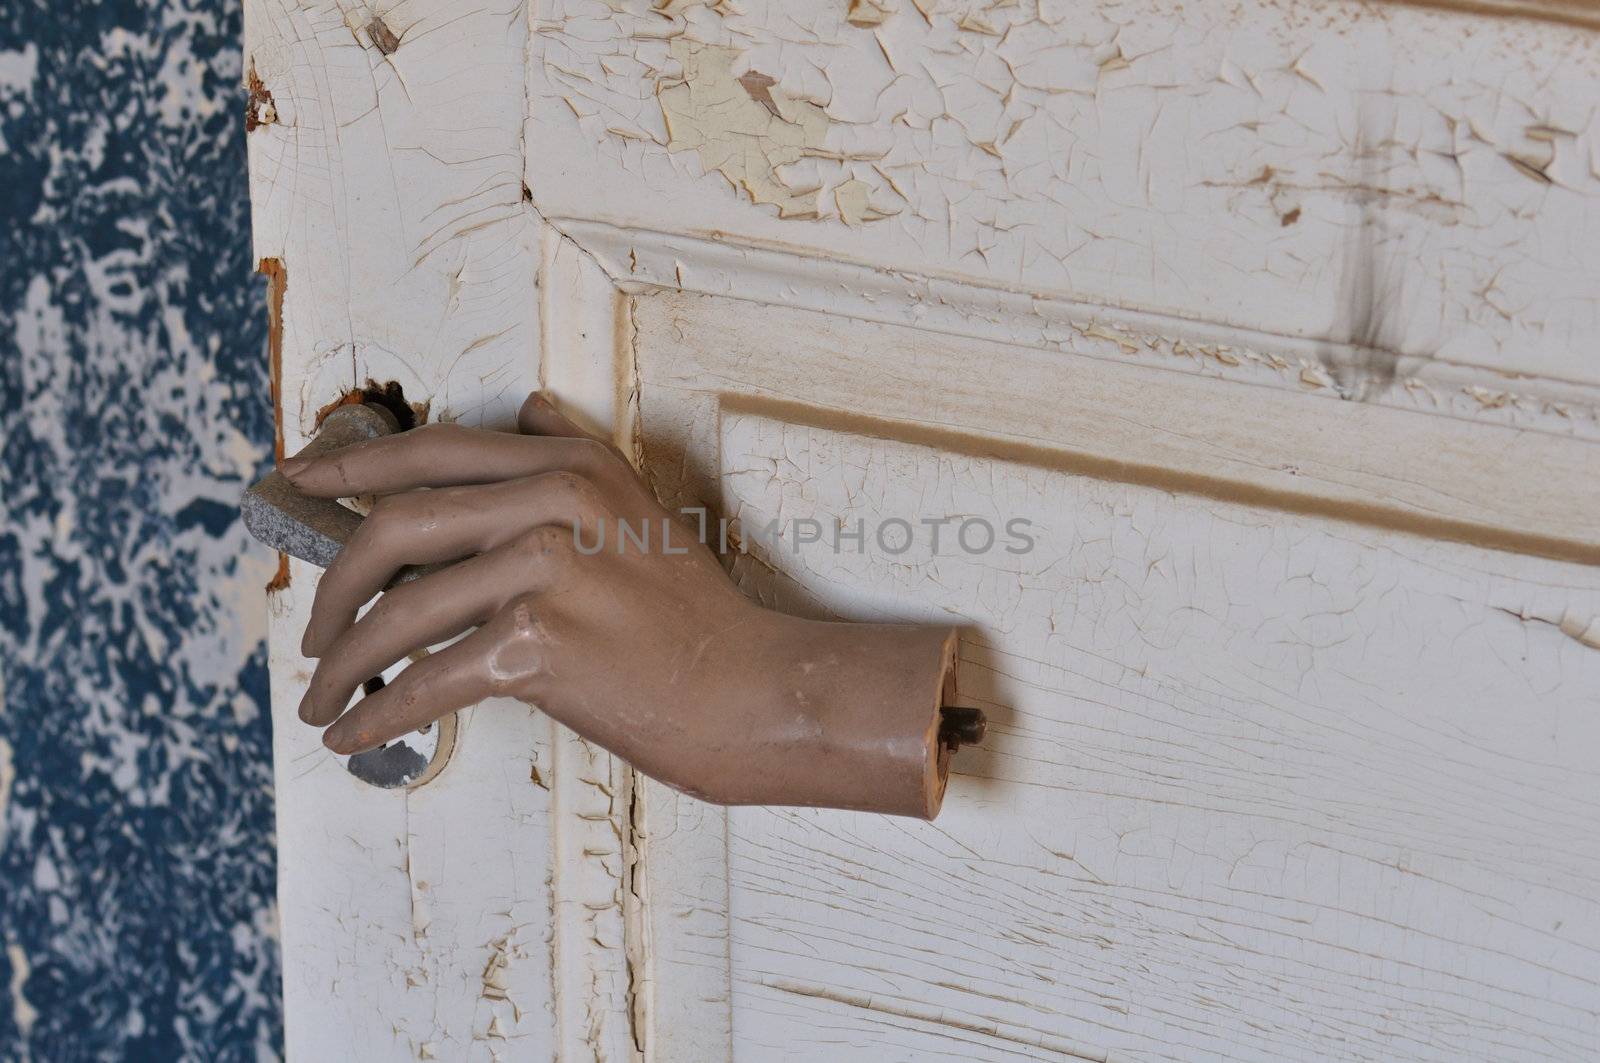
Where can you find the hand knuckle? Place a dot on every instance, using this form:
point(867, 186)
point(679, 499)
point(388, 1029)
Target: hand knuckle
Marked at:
point(577, 491)
point(386, 516)
point(384, 509)
point(522, 621)
point(546, 542)
point(591, 454)
point(391, 603)
point(552, 540)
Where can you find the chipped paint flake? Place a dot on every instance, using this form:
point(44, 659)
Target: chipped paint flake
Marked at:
point(260, 108)
point(865, 14)
point(759, 86)
point(1314, 376)
point(495, 982)
point(1120, 338)
point(1585, 631)
point(1487, 398)
point(383, 38)
point(748, 129)
point(852, 199)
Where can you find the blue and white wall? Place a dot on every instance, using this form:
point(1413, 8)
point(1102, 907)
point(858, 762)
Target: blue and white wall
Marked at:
point(136, 852)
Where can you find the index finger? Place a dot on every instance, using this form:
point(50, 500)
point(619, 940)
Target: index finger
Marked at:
point(539, 417)
point(439, 455)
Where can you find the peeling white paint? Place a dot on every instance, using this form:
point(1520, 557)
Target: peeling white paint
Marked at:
point(748, 129)
point(390, 189)
point(1330, 170)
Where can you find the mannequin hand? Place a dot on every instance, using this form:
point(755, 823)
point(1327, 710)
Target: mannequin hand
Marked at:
point(645, 648)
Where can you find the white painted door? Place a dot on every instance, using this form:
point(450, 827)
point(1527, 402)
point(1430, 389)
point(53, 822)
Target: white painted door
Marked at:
point(1275, 322)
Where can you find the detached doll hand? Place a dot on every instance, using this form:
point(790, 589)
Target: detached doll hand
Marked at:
point(592, 602)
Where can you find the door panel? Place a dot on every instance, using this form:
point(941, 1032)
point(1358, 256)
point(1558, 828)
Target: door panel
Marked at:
point(1259, 784)
point(1274, 319)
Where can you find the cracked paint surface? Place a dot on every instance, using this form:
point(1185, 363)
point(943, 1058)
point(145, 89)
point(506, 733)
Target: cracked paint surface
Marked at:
point(1240, 756)
point(751, 132)
point(1236, 763)
point(389, 209)
point(1416, 183)
point(741, 127)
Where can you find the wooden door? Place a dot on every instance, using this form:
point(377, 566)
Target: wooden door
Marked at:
point(1275, 325)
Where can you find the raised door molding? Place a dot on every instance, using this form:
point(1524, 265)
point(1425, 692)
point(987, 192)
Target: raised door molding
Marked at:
point(1384, 181)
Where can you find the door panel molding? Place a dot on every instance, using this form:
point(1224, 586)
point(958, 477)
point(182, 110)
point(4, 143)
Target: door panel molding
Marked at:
point(1436, 476)
point(644, 261)
point(1412, 182)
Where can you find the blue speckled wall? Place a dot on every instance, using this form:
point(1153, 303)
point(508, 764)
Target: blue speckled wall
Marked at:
point(136, 859)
